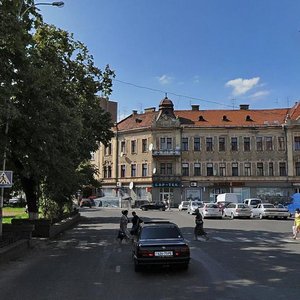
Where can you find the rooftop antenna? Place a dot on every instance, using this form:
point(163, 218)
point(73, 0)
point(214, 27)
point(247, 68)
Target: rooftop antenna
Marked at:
point(233, 103)
point(166, 95)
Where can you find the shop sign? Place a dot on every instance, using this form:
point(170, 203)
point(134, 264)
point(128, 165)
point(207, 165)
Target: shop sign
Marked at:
point(166, 184)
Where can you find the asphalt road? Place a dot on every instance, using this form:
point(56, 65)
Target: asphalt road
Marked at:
point(243, 259)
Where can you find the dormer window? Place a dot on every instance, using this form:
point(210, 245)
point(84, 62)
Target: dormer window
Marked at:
point(201, 118)
point(225, 118)
point(248, 118)
point(137, 120)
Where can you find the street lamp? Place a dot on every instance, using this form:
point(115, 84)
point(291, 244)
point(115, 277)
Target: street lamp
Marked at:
point(55, 3)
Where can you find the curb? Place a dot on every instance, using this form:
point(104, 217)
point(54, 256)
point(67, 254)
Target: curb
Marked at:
point(14, 250)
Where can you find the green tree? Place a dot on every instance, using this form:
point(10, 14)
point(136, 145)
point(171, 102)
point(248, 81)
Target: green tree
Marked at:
point(56, 119)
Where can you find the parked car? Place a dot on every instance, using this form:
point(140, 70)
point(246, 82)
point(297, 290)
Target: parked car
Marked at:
point(268, 210)
point(16, 201)
point(237, 210)
point(252, 202)
point(210, 210)
point(87, 202)
point(160, 243)
point(158, 206)
point(183, 205)
point(193, 205)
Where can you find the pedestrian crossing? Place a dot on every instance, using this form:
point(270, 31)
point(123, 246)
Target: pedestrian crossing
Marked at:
point(255, 240)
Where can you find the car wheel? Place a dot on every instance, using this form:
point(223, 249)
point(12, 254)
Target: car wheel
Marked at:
point(232, 216)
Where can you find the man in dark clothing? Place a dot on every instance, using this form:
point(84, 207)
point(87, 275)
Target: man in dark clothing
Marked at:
point(199, 231)
point(136, 221)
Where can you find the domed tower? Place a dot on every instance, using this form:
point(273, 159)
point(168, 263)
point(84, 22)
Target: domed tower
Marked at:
point(166, 109)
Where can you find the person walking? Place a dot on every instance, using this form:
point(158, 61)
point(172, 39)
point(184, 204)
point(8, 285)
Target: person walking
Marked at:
point(136, 221)
point(199, 231)
point(123, 231)
point(296, 227)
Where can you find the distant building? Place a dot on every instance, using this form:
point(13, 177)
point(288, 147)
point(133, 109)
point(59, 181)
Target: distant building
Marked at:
point(198, 154)
point(110, 106)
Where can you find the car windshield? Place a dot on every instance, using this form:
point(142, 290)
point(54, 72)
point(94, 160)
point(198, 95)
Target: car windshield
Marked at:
point(160, 233)
point(195, 203)
point(185, 202)
point(211, 205)
point(242, 206)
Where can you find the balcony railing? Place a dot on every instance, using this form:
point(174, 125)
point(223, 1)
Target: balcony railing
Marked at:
point(166, 152)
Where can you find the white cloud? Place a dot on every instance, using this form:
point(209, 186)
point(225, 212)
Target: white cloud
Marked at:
point(196, 79)
point(259, 94)
point(242, 86)
point(164, 79)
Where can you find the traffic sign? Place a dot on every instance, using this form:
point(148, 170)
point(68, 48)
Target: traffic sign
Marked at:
point(6, 179)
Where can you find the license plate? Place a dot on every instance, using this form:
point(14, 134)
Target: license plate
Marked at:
point(163, 253)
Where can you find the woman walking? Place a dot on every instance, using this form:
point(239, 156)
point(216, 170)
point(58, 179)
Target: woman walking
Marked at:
point(123, 231)
point(296, 227)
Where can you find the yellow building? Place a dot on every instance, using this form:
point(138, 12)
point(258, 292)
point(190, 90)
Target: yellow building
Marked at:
point(197, 154)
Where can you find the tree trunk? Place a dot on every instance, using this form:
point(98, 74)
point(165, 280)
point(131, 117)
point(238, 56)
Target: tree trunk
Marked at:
point(30, 189)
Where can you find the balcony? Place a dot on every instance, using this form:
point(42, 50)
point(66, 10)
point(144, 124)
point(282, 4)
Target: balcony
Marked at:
point(166, 152)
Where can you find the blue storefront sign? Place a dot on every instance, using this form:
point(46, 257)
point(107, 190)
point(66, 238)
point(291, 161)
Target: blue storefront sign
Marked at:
point(166, 184)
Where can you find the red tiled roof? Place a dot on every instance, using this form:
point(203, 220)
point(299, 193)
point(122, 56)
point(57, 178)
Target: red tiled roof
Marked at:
point(216, 118)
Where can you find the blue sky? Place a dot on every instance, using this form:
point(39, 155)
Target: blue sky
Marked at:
point(215, 53)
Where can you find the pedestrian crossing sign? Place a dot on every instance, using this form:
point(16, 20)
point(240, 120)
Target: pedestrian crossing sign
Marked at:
point(6, 179)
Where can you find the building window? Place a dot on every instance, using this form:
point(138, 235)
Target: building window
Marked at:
point(92, 155)
point(169, 169)
point(162, 169)
point(133, 170)
point(144, 145)
point(221, 143)
point(247, 169)
point(209, 144)
point(185, 144)
point(282, 169)
point(246, 143)
point(133, 146)
point(105, 171)
point(235, 169)
point(297, 143)
point(281, 143)
point(260, 169)
point(269, 143)
point(122, 146)
point(108, 149)
point(185, 169)
point(271, 169)
point(109, 172)
point(297, 168)
point(165, 143)
point(144, 170)
point(234, 144)
point(222, 169)
point(259, 143)
point(196, 144)
point(209, 169)
point(197, 169)
point(123, 169)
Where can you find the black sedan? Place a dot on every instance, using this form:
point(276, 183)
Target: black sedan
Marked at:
point(148, 206)
point(160, 243)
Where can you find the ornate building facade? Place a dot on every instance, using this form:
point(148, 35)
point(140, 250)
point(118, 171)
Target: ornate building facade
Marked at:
point(198, 154)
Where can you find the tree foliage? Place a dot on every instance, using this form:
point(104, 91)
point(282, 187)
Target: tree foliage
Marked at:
point(49, 84)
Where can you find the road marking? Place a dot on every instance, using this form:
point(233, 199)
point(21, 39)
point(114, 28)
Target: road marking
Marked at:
point(242, 239)
point(222, 239)
point(118, 269)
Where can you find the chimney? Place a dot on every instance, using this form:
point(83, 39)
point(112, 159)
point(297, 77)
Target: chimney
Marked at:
point(134, 112)
point(195, 107)
point(149, 109)
point(244, 106)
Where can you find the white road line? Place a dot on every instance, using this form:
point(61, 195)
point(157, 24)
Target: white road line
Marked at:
point(118, 269)
point(242, 239)
point(222, 239)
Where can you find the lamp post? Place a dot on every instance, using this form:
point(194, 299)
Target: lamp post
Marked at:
point(20, 15)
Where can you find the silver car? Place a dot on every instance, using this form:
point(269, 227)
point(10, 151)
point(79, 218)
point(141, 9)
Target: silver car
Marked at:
point(211, 210)
point(193, 205)
point(237, 210)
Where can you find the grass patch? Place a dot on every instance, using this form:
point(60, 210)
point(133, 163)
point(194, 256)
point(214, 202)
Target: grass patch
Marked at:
point(13, 213)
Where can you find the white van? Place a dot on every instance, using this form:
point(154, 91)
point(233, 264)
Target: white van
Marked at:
point(252, 202)
point(228, 197)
